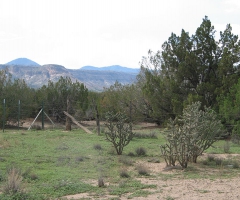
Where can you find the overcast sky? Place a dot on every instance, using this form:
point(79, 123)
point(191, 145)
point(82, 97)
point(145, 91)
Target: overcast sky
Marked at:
point(76, 33)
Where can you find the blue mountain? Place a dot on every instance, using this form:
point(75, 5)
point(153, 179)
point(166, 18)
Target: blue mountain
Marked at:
point(23, 62)
point(116, 68)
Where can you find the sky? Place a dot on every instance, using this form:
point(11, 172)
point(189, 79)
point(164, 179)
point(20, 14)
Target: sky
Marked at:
point(76, 33)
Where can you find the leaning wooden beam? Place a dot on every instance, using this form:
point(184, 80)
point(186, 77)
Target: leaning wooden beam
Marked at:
point(34, 119)
point(75, 122)
point(49, 119)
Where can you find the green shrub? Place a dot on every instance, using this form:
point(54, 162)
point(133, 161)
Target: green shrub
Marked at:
point(125, 160)
point(210, 158)
point(142, 170)
point(124, 173)
point(226, 147)
point(131, 154)
point(218, 161)
point(140, 151)
point(97, 147)
point(235, 165)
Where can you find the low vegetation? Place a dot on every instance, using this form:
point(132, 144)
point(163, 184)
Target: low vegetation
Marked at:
point(190, 135)
point(54, 163)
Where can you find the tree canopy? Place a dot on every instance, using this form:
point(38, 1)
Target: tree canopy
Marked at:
point(191, 68)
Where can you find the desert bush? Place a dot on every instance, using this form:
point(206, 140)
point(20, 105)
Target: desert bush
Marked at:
point(235, 139)
point(168, 153)
point(131, 154)
point(124, 173)
point(191, 134)
point(218, 161)
point(226, 147)
point(79, 159)
point(235, 165)
point(151, 135)
point(100, 182)
point(112, 151)
point(142, 170)
point(119, 130)
point(36, 127)
point(140, 151)
point(28, 174)
point(125, 160)
point(97, 147)
point(205, 162)
point(210, 158)
point(154, 160)
point(14, 179)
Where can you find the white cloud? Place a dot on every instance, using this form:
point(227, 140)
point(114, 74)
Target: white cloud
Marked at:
point(101, 32)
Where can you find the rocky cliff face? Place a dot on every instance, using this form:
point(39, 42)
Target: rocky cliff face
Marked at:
point(37, 76)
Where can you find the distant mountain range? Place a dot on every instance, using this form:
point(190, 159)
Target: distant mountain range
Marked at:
point(115, 68)
point(94, 78)
point(23, 62)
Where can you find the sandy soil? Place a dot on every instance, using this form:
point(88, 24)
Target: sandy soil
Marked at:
point(180, 188)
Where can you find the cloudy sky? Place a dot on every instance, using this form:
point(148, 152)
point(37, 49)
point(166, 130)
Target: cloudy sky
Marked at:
point(75, 33)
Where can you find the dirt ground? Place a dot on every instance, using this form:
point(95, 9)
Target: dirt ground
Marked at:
point(178, 188)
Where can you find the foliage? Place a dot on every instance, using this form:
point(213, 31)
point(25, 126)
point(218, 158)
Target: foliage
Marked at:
point(140, 151)
point(120, 130)
point(191, 134)
point(189, 69)
point(229, 109)
point(124, 98)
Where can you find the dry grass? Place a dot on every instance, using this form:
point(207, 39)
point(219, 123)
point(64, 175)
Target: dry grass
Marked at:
point(13, 183)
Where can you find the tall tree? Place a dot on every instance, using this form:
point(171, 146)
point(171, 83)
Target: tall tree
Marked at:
point(127, 99)
point(66, 95)
point(191, 68)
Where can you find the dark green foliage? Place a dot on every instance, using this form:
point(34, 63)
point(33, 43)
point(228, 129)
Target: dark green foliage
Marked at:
point(146, 135)
point(142, 170)
point(127, 99)
point(235, 165)
point(189, 69)
point(97, 147)
point(125, 160)
point(124, 173)
point(131, 154)
point(119, 130)
point(218, 161)
point(226, 147)
point(229, 109)
point(140, 151)
point(100, 182)
point(210, 158)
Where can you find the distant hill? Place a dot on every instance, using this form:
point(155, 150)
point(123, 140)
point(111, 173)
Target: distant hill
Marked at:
point(23, 62)
point(116, 68)
point(95, 79)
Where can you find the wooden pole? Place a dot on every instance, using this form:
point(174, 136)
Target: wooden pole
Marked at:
point(42, 115)
point(75, 122)
point(4, 112)
point(35, 119)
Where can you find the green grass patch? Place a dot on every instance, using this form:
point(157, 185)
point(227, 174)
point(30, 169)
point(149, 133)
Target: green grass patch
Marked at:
point(55, 163)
